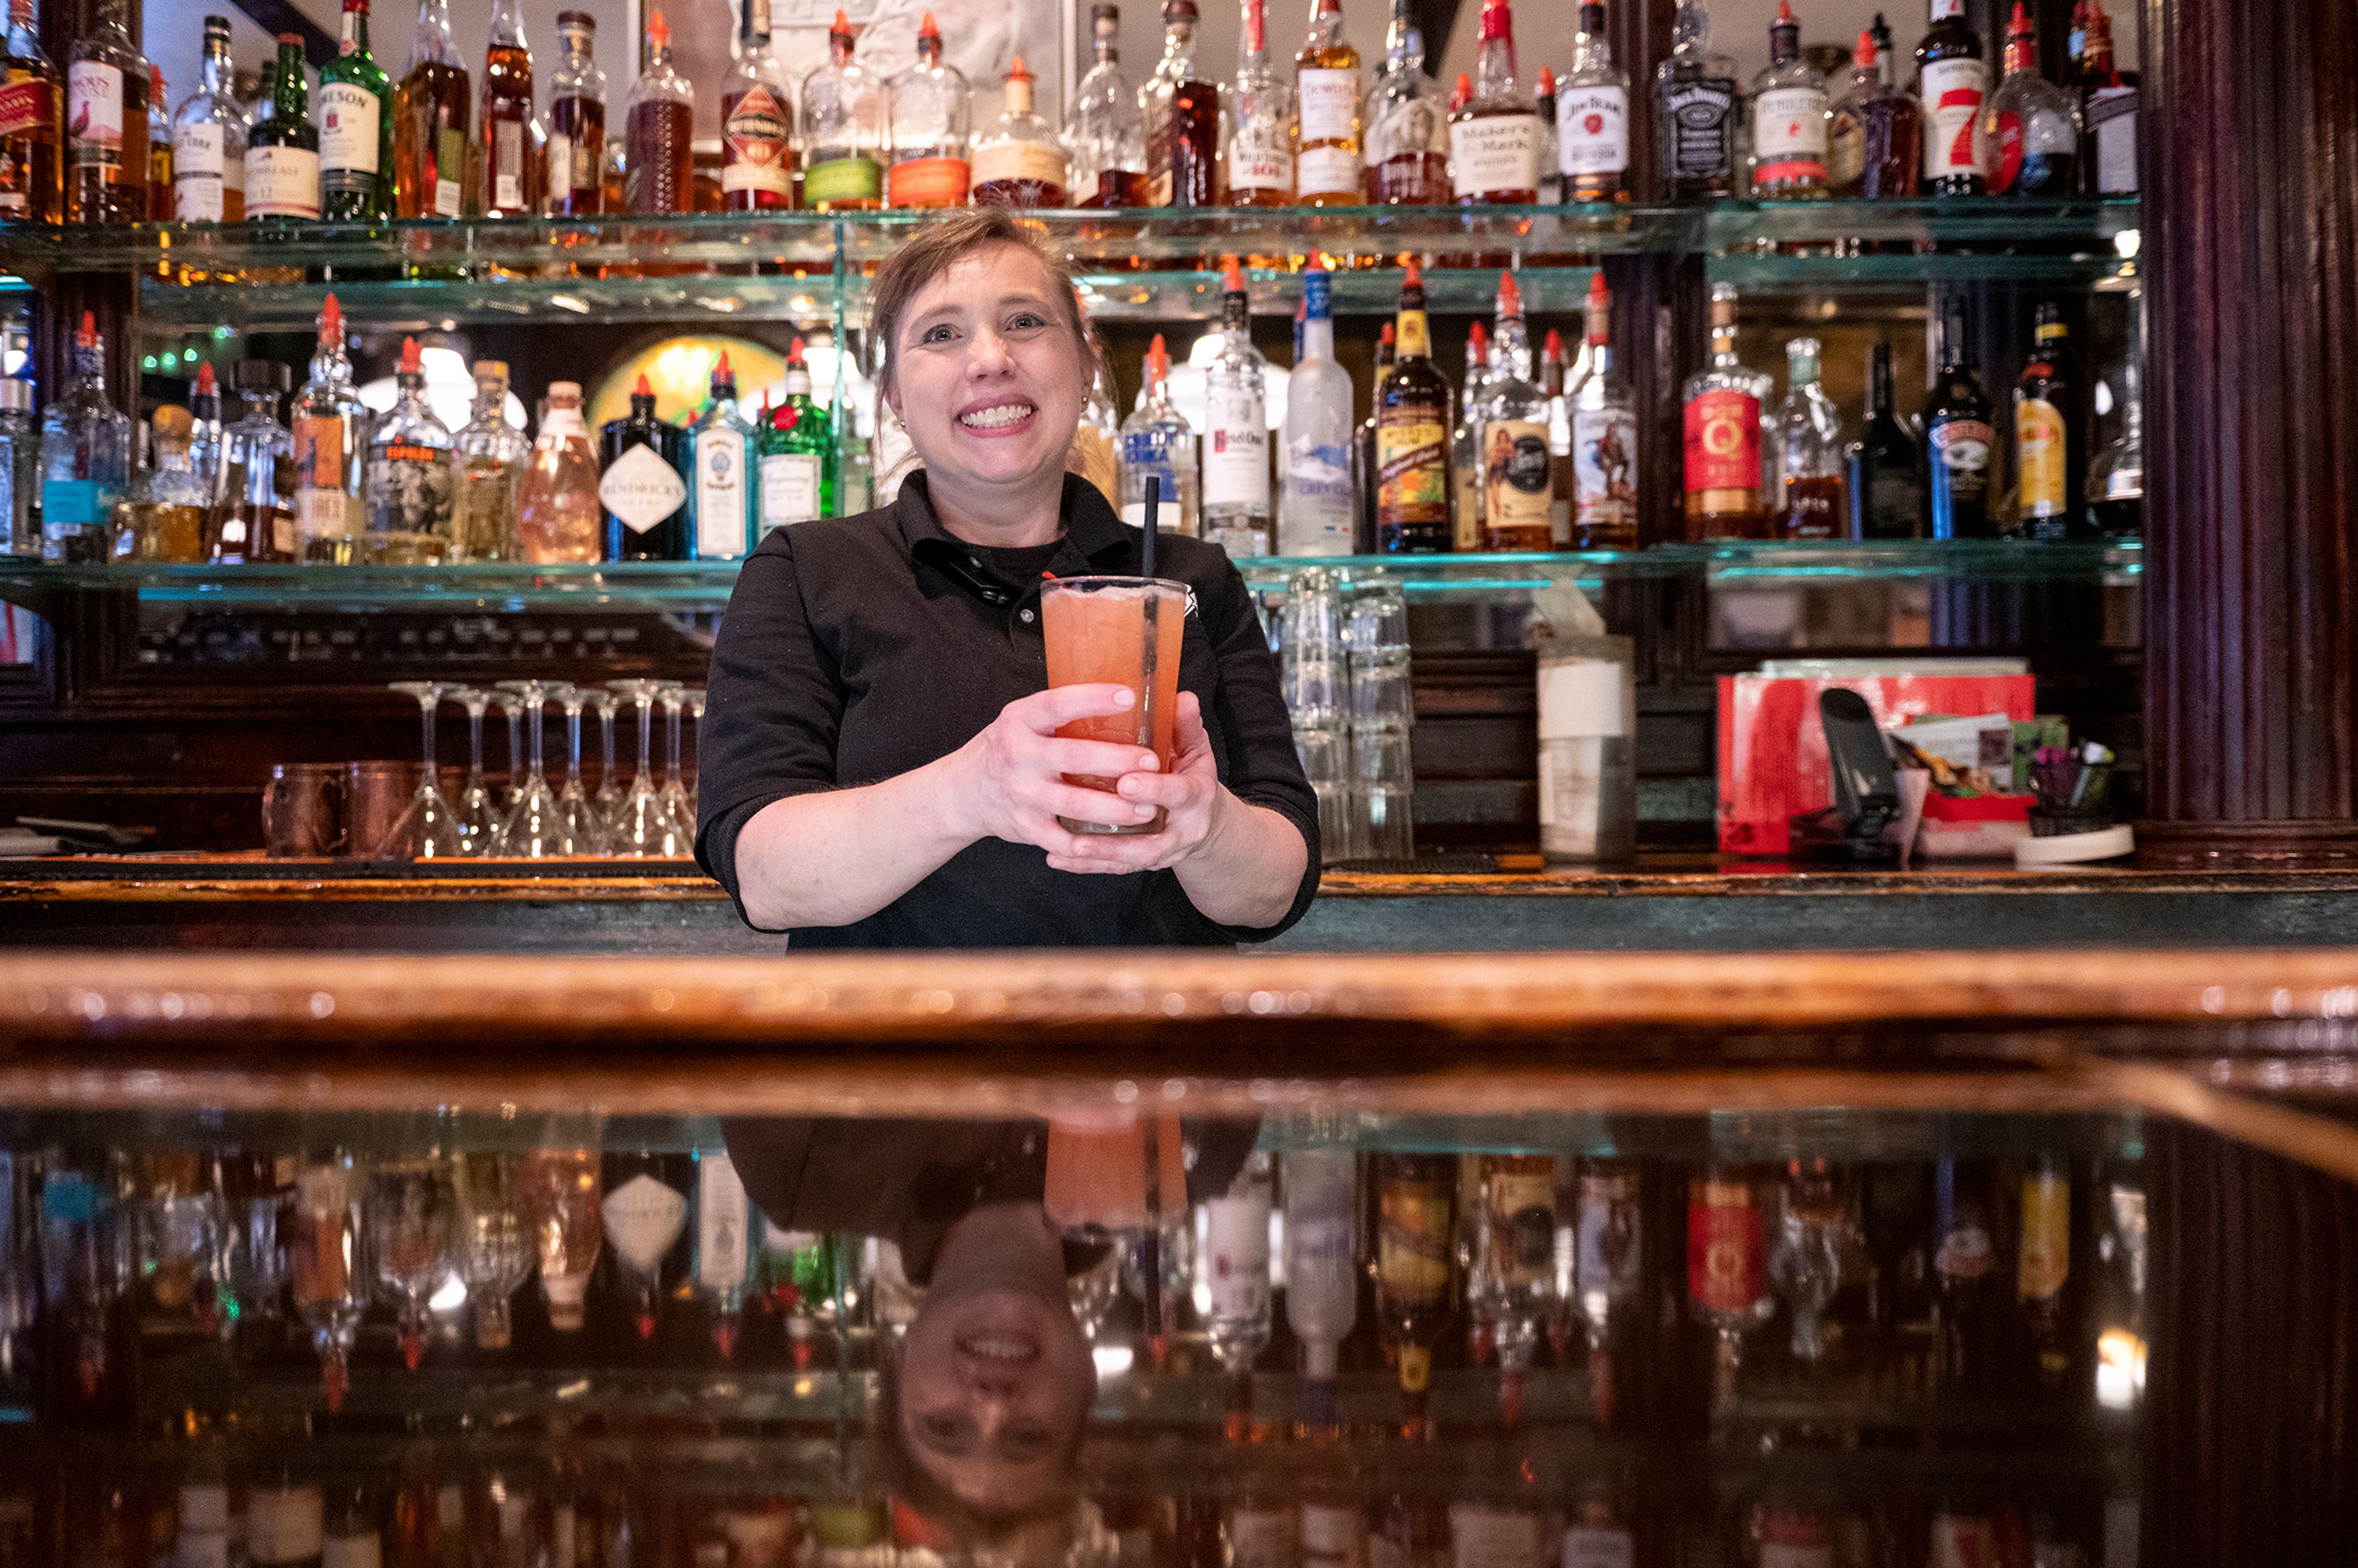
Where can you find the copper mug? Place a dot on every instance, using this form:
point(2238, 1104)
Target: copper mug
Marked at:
point(376, 794)
point(302, 811)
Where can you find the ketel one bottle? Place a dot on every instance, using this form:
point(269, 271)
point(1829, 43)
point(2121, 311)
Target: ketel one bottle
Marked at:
point(639, 487)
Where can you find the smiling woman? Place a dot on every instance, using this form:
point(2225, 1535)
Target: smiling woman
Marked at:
point(879, 761)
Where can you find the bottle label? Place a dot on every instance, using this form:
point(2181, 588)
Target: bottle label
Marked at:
point(2045, 1256)
point(1259, 159)
point(722, 1215)
point(409, 488)
point(1586, 1546)
point(644, 1217)
point(349, 118)
point(1412, 473)
point(1414, 1245)
point(641, 489)
point(1702, 138)
point(1318, 514)
point(1793, 1540)
point(197, 167)
point(560, 168)
point(1965, 1253)
point(2039, 442)
point(1962, 448)
point(1523, 1212)
point(1236, 451)
point(1497, 153)
point(789, 489)
point(1327, 171)
point(720, 495)
point(282, 182)
point(927, 182)
point(1847, 149)
point(1591, 128)
point(283, 1524)
point(1235, 1248)
point(450, 170)
point(1606, 1242)
point(1605, 468)
point(1483, 1536)
point(1788, 134)
point(1261, 1537)
point(1724, 1248)
point(319, 454)
point(2005, 150)
point(27, 104)
point(843, 179)
point(1944, 9)
point(68, 505)
point(95, 118)
point(1415, 335)
point(1722, 442)
point(506, 158)
point(754, 145)
point(1330, 107)
point(2112, 126)
point(1036, 163)
point(1954, 90)
point(1517, 488)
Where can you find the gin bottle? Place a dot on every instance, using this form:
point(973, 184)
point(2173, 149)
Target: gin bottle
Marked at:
point(85, 457)
point(721, 449)
point(411, 476)
point(1317, 506)
point(646, 500)
point(1235, 436)
point(491, 454)
point(330, 428)
point(20, 469)
point(1157, 442)
point(798, 452)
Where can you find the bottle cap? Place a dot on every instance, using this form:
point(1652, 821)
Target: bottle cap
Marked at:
point(724, 373)
point(642, 389)
point(205, 385)
point(1785, 18)
point(842, 25)
point(173, 424)
point(88, 337)
point(1863, 56)
point(1479, 338)
point(926, 29)
point(411, 362)
point(1511, 298)
point(1232, 276)
point(1497, 22)
point(564, 392)
point(491, 370)
point(1463, 94)
point(1018, 71)
point(795, 352)
point(1414, 277)
point(659, 31)
point(1386, 337)
point(581, 19)
point(1158, 359)
point(1547, 82)
point(332, 321)
point(1553, 348)
point(1178, 10)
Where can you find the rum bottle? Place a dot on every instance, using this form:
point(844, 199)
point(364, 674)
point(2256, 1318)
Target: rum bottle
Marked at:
point(1258, 111)
point(1604, 418)
point(1412, 477)
point(843, 130)
point(1876, 147)
point(640, 485)
point(721, 451)
point(557, 506)
point(1808, 451)
point(106, 124)
point(1157, 442)
point(1518, 473)
point(757, 121)
point(2046, 455)
point(1018, 159)
point(1328, 147)
point(1592, 116)
point(576, 121)
point(1494, 140)
point(1954, 79)
point(1407, 122)
point(1957, 440)
point(1884, 469)
point(85, 457)
point(411, 478)
point(1694, 111)
point(256, 520)
point(1789, 117)
point(509, 186)
point(1183, 119)
point(798, 452)
point(490, 456)
point(429, 121)
point(31, 173)
point(1236, 431)
point(929, 115)
point(208, 140)
point(2032, 125)
point(281, 152)
point(330, 426)
point(1724, 402)
point(1105, 136)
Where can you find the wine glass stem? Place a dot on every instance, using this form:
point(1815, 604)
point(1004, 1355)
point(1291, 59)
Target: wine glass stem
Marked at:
point(606, 725)
point(646, 740)
point(671, 763)
point(572, 747)
point(536, 733)
point(474, 747)
point(515, 745)
point(426, 743)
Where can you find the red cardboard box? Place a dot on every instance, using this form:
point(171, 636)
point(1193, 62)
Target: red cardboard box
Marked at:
point(1772, 750)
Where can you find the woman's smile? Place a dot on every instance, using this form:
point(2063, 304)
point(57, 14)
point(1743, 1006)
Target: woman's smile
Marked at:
point(997, 416)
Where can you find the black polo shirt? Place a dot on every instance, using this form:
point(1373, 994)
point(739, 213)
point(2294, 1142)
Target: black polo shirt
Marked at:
point(858, 648)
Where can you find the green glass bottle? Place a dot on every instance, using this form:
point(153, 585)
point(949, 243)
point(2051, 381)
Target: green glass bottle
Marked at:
point(797, 453)
point(281, 152)
point(355, 127)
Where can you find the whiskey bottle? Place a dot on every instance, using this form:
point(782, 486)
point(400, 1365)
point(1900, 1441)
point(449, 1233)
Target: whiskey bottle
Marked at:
point(159, 148)
point(1808, 451)
point(1328, 152)
point(1789, 117)
point(1364, 451)
point(106, 124)
point(31, 172)
point(1182, 110)
point(929, 165)
point(1954, 79)
point(1416, 1266)
point(281, 152)
point(330, 430)
point(1724, 402)
point(1158, 443)
point(164, 513)
point(1694, 111)
point(1018, 159)
point(355, 127)
point(429, 121)
point(658, 118)
point(1407, 122)
point(2046, 455)
point(1607, 1249)
point(1236, 431)
point(1957, 440)
point(1604, 420)
point(1258, 111)
point(1412, 474)
point(1517, 484)
point(2032, 125)
point(1592, 116)
point(326, 1248)
point(721, 451)
point(1876, 146)
point(412, 480)
point(509, 185)
point(1104, 136)
point(208, 140)
point(490, 455)
point(576, 121)
point(1551, 159)
point(1494, 141)
point(1884, 469)
point(85, 457)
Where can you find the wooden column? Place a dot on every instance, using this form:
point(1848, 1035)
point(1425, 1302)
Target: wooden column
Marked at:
point(2249, 138)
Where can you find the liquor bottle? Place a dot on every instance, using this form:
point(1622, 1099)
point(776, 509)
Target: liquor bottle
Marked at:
point(1412, 474)
point(1018, 159)
point(1415, 1264)
point(645, 1210)
point(576, 121)
point(1806, 446)
point(2045, 454)
point(106, 124)
point(722, 1268)
point(1604, 418)
point(1407, 122)
point(1884, 469)
point(2108, 111)
point(1517, 1271)
point(88, 1263)
point(1877, 148)
point(929, 118)
point(429, 121)
point(355, 126)
point(330, 428)
point(1727, 1279)
point(1363, 453)
point(1561, 484)
point(282, 151)
point(1517, 471)
point(798, 452)
point(1465, 445)
point(256, 519)
point(2116, 474)
point(164, 513)
point(1592, 116)
point(1317, 510)
point(1157, 442)
point(1551, 156)
point(1182, 110)
point(410, 1217)
point(412, 478)
point(1232, 1276)
point(159, 148)
point(561, 1203)
point(558, 516)
point(2043, 1273)
point(1724, 402)
point(31, 173)
point(204, 430)
point(657, 121)
point(508, 184)
point(757, 119)
point(1957, 440)
point(1789, 117)
point(2031, 126)
point(494, 1244)
point(843, 130)
point(491, 457)
point(720, 446)
point(208, 140)
point(265, 90)
point(85, 457)
point(1236, 432)
point(1321, 1266)
point(324, 1251)
point(1964, 1261)
point(1607, 1249)
point(1494, 141)
point(1694, 111)
point(641, 485)
point(1805, 1256)
point(1257, 112)
point(1105, 136)
point(20, 469)
point(1953, 78)
point(1327, 150)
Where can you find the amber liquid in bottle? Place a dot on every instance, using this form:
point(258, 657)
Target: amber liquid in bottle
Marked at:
point(116, 194)
point(429, 140)
point(583, 121)
point(1187, 151)
point(511, 186)
point(29, 99)
point(657, 165)
point(1117, 187)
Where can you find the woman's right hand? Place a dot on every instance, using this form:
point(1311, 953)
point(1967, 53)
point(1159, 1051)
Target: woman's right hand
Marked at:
point(1009, 780)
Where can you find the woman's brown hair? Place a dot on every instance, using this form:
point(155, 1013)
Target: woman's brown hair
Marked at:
point(937, 246)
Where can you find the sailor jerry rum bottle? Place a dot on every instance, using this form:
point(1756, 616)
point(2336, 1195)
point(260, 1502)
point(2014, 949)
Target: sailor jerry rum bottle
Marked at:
point(1723, 435)
point(1518, 477)
point(30, 187)
point(1412, 477)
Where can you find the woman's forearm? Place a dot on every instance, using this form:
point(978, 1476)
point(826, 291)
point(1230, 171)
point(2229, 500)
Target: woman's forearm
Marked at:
point(1249, 868)
point(839, 856)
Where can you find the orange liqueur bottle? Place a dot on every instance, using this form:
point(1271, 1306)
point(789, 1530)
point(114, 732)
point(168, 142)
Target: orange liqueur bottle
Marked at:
point(510, 187)
point(429, 121)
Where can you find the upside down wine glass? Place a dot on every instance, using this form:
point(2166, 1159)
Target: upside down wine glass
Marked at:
point(478, 821)
point(512, 707)
point(429, 829)
point(579, 831)
point(608, 802)
point(534, 829)
point(644, 828)
point(676, 802)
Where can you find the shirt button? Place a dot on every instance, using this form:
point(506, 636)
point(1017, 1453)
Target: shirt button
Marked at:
point(1027, 616)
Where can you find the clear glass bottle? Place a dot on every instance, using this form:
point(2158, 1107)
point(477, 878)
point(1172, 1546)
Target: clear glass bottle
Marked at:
point(205, 430)
point(2032, 125)
point(1789, 117)
point(1465, 444)
point(85, 457)
point(1328, 135)
point(1182, 110)
point(1592, 116)
point(282, 150)
point(1407, 121)
point(1603, 437)
point(162, 518)
point(2117, 473)
point(843, 130)
point(1019, 159)
point(31, 133)
point(557, 507)
point(1236, 430)
point(1104, 136)
point(1256, 115)
point(257, 518)
point(1724, 402)
point(1157, 442)
point(106, 122)
point(330, 430)
point(757, 122)
point(355, 127)
point(658, 125)
point(208, 140)
point(508, 184)
point(1318, 504)
point(576, 121)
point(721, 455)
point(1551, 154)
point(412, 476)
point(798, 452)
point(20, 468)
point(1806, 445)
point(930, 122)
point(1518, 486)
point(429, 121)
point(1694, 111)
point(1232, 1285)
point(491, 454)
point(1875, 147)
point(1494, 140)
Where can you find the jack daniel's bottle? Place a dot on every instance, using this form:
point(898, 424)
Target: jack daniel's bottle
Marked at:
point(1694, 111)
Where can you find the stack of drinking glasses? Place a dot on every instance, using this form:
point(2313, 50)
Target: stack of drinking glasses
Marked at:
point(1344, 658)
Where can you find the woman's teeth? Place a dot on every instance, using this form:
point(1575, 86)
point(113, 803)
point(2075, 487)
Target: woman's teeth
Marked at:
point(994, 1349)
point(993, 418)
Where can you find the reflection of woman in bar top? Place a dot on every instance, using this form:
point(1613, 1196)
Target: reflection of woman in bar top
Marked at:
point(879, 765)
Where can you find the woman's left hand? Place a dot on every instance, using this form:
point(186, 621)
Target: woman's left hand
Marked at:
point(1192, 798)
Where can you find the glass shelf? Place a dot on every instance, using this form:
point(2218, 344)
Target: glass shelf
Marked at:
point(414, 304)
point(2108, 561)
point(613, 585)
point(2084, 223)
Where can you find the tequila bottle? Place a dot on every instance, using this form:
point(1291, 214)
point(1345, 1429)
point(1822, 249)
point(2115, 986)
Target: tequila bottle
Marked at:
point(491, 454)
point(721, 449)
point(256, 520)
point(85, 457)
point(757, 122)
point(1255, 117)
point(1518, 486)
point(330, 428)
point(577, 120)
point(1018, 159)
point(1157, 442)
point(1694, 111)
point(843, 130)
point(31, 183)
point(1789, 116)
point(1954, 79)
point(282, 151)
point(929, 116)
point(1407, 121)
point(557, 508)
point(1604, 420)
point(1105, 137)
point(1724, 402)
point(1236, 434)
point(1592, 116)
point(658, 118)
point(798, 452)
point(1494, 140)
point(106, 124)
point(1807, 449)
point(411, 476)
point(509, 184)
point(2032, 125)
point(429, 121)
point(1328, 150)
point(640, 485)
point(208, 140)
point(1317, 508)
point(1182, 110)
point(355, 126)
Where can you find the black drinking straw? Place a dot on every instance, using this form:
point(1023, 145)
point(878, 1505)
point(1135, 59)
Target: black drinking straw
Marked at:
point(1146, 540)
